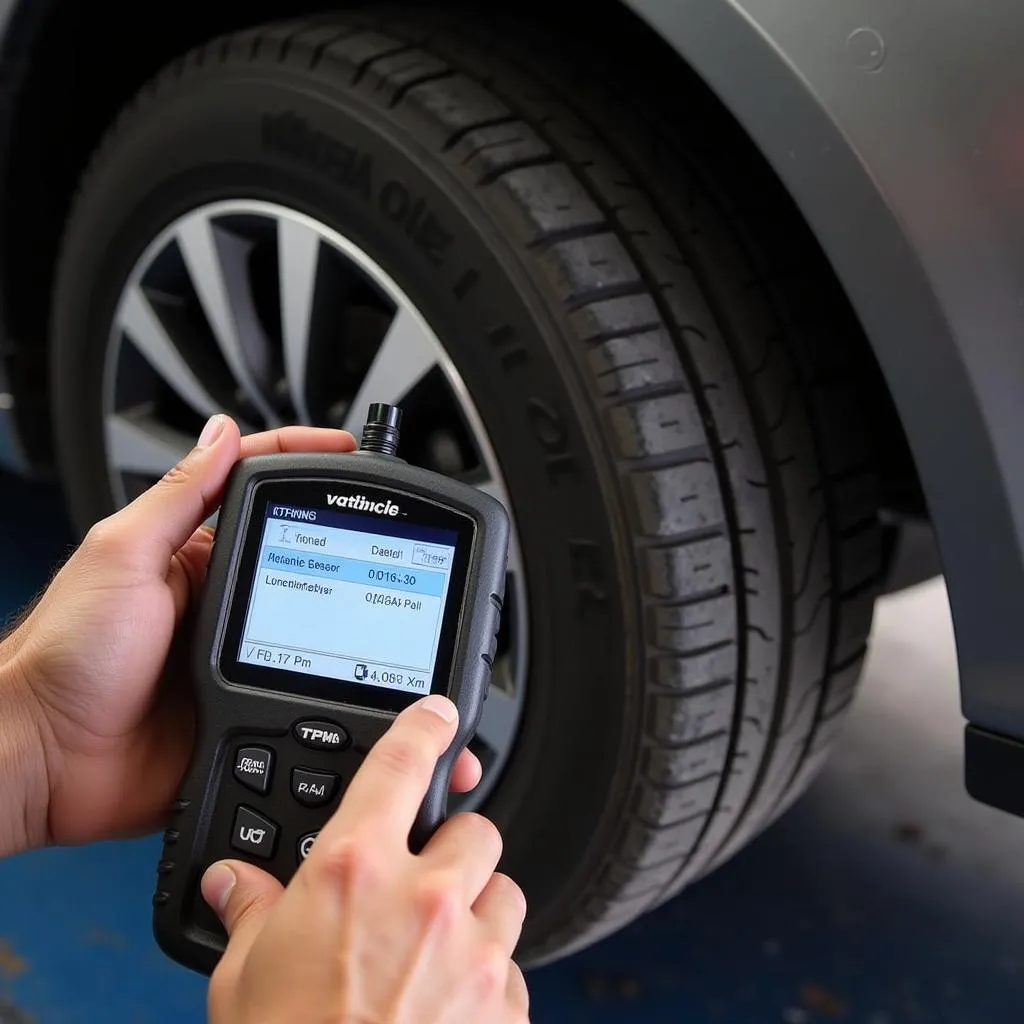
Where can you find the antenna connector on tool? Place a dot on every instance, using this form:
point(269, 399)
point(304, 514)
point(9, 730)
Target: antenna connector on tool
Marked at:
point(380, 434)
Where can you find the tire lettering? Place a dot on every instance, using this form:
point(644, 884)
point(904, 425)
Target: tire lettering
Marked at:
point(398, 205)
point(292, 136)
point(504, 341)
point(465, 284)
point(588, 574)
point(550, 430)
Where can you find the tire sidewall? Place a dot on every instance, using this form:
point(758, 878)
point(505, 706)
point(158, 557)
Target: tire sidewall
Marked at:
point(285, 138)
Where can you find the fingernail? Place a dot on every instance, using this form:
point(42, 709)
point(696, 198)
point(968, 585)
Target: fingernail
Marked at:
point(217, 884)
point(440, 706)
point(212, 430)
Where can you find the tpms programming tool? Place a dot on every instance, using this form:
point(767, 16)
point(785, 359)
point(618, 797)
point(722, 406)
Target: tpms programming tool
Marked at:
point(341, 589)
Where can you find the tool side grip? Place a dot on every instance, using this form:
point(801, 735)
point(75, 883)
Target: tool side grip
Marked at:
point(472, 672)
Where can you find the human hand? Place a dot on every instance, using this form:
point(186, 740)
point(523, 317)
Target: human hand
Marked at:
point(367, 931)
point(100, 701)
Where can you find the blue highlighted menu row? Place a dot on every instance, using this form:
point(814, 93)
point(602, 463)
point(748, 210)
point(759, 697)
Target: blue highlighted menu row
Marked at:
point(351, 570)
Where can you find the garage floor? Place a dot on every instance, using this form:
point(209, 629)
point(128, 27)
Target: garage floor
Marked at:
point(884, 897)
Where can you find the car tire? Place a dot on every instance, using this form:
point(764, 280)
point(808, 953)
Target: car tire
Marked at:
point(663, 366)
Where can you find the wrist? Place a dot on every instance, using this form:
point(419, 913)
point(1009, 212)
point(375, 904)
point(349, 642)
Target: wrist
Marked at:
point(25, 793)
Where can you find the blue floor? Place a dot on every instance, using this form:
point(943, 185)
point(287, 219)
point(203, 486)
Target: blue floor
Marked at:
point(884, 897)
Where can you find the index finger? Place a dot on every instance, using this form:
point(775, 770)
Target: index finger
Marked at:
point(387, 790)
point(297, 439)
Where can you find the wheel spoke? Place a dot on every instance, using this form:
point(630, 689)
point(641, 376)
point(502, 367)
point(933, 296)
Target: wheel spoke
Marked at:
point(498, 721)
point(298, 251)
point(407, 353)
point(217, 265)
point(140, 323)
point(143, 445)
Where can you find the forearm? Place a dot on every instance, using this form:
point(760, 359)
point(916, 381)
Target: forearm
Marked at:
point(24, 787)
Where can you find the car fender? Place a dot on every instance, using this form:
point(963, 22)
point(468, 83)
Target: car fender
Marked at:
point(896, 129)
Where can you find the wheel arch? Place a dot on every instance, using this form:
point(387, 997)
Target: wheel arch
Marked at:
point(927, 241)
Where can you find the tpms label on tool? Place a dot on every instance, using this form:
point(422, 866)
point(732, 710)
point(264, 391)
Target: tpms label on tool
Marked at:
point(320, 735)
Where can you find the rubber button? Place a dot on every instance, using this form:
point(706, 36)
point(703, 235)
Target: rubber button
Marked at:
point(492, 633)
point(313, 788)
point(318, 735)
point(253, 834)
point(253, 767)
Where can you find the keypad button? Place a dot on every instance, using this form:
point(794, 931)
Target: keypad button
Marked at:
point(253, 766)
point(319, 735)
point(313, 788)
point(306, 844)
point(253, 834)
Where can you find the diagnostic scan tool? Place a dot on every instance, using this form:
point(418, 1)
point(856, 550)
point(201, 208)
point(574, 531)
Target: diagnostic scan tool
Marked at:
point(341, 589)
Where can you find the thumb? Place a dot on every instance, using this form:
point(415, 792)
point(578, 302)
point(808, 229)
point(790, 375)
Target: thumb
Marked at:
point(241, 895)
point(163, 518)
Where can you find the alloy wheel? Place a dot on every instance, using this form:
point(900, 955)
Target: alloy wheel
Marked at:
point(258, 310)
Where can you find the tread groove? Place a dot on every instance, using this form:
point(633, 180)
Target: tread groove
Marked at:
point(682, 786)
point(573, 234)
point(670, 389)
point(425, 79)
point(493, 122)
point(490, 177)
point(367, 64)
point(602, 294)
point(689, 600)
point(689, 744)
